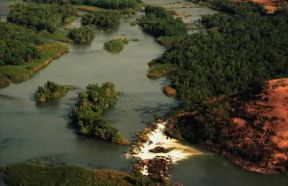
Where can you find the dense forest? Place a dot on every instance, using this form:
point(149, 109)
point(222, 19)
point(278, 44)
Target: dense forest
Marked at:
point(87, 115)
point(102, 19)
point(217, 69)
point(159, 22)
point(40, 16)
point(17, 44)
point(222, 61)
point(49, 92)
point(82, 35)
point(107, 4)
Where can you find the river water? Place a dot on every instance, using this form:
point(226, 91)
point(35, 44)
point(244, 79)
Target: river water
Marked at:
point(32, 133)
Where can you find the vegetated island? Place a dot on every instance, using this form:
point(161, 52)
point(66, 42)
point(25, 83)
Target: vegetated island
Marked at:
point(221, 76)
point(115, 46)
point(49, 92)
point(87, 116)
point(27, 174)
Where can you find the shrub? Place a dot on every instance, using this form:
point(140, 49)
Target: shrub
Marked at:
point(101, 19)
point(84, 34)
point(50, 91)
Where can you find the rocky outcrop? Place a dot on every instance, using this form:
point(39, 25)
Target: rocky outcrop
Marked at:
point(169, 91)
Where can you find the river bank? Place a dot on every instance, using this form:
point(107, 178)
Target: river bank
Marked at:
point(19, 73)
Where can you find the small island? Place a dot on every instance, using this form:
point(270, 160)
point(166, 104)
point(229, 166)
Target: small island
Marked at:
point(115, 46)
point(88, 117)
point(49, 92)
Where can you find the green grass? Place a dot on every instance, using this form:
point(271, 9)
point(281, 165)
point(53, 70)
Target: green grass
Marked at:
point(3, 81)
point(115, 46)
point(169, 42)
point(19, 73)
point(127, 11)
point(157, 70)
point(49, 175)
point(56, 36)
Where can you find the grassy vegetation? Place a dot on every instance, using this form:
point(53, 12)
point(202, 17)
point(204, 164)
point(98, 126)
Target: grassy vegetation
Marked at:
point(49, 175)
point(92, 9)
point(58, 35)
point(169, 42)
point(157, 70)
point(49, 92)
point(19, 73)
point(115, 46)
point(3, 81)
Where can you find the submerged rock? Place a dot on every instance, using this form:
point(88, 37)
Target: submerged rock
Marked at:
point(160, 149)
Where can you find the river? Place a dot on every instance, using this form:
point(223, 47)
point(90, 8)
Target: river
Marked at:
point(32, 133)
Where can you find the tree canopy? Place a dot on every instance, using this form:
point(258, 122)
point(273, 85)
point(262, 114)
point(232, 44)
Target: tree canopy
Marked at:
point(159, 22)
point(107, 4)
point(82, 35)
point(17, 44)
point(41, 16)
point(88, 113)
point(102, 19)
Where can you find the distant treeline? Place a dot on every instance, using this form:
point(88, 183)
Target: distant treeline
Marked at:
point(108, 4)
point(41, 17)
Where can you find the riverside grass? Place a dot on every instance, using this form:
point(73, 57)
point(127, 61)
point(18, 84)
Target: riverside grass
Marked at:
point(19, 73)
point(27, 174)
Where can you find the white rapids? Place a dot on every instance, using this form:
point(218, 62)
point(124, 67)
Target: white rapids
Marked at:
point(158, 138)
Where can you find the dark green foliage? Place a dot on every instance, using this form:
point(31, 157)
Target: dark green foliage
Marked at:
point(108, 4)
point(240, 8)
point(101, 19)
point(237, 54)
point(17, 44)
point(114, 4)
point(235, 57)
point(41, 16)
point(48, 175)
point(88, 113)
point(50, 91)
point(159, 22)
point(84, 34)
